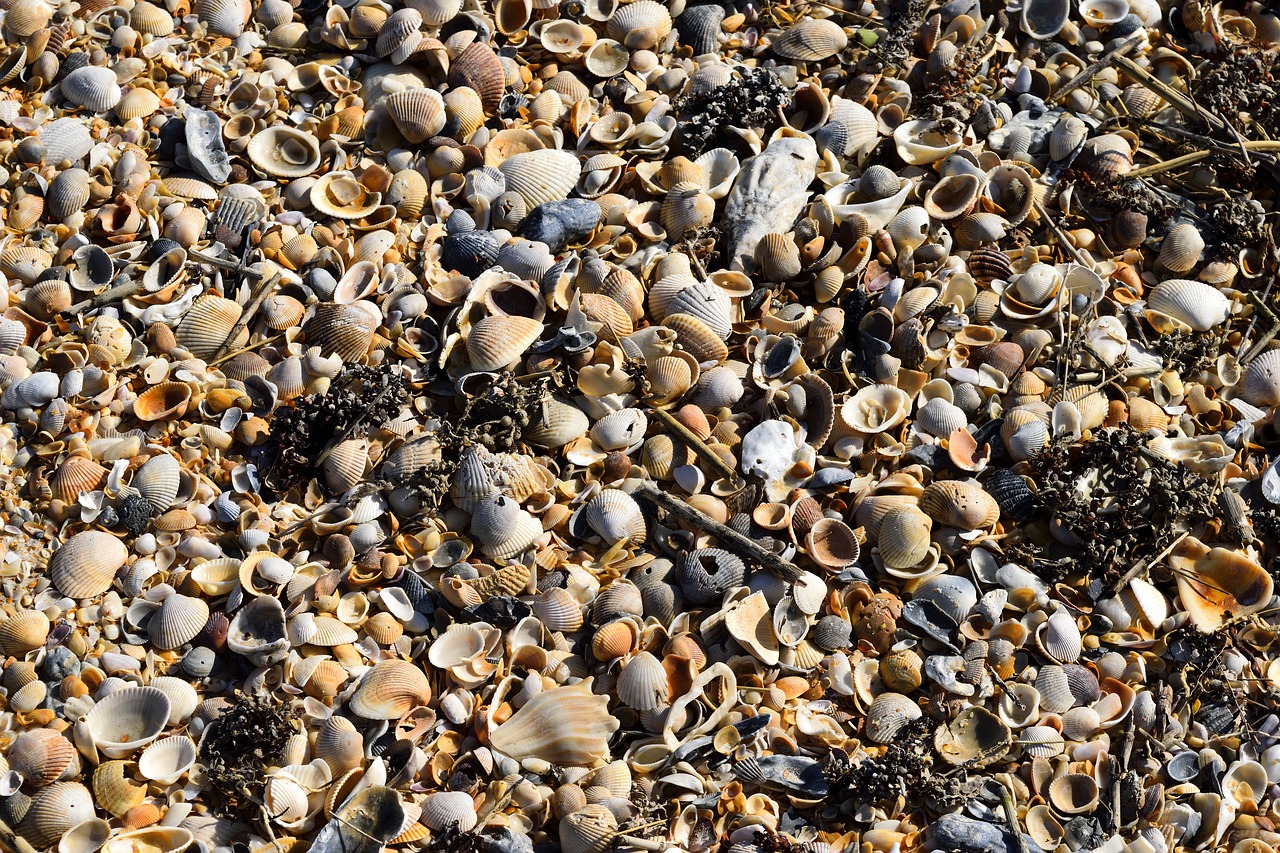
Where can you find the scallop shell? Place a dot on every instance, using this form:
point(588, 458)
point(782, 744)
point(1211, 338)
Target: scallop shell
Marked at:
point(86, 565)
point(418, 113)
point(177, 622)
point(205, 327)
point(640, 25)
point(590, 829)
point(616, 517)
point(1181, 249)
point(811, 40)
point(389, 690)
point(478, 68)
point(446, 808)
point(158, 480)
point(1200, 306)
point(903, 539)
point(339, 745)
point(42, 757)
point(497, 341)
point(563, 726)
point(341, 330)
point(962, 504)
point(93, 87)
point(128, 720)
point(886, 716)
point(642, 683)
point(53, 811)
point(541, 176)
point(284, 152)
point(224, 17)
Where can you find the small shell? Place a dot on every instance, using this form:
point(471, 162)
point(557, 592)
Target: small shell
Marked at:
point(1074, 793)
point(542, 176)
point(93, 87)
point(1059, 638)
point(811, 40)
point(162, 402)
point(888, 713)
point(558, 610)
point(1261, 382)
point(478, 68)
point(342, 330)
point(446, 808)
point(497, 341)
point(87, 564)
point(168, 759)
point(642, 683)
point(205, 327)
point(284, 152)
point(903, 539)
point(54, 810)
point(418, 113)
point(113, 790)
point(1181, 249)
point(340, 194)
point(42, 757)
point(616, 517)
point(876, 408)
point(962, 504)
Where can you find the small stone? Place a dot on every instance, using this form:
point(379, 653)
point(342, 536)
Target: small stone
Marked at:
point(560, 223)
point(967, 835)
point(59, 662)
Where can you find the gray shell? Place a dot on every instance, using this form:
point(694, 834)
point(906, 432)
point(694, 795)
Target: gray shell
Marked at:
point(204, 146)
point(769, 194)
point(707, 573)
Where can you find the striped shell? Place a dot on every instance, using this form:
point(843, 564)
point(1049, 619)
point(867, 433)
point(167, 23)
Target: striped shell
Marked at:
point(811, 40)
point(494, 342)
point(418, 113)
point(93, 87)
point(87, 564)
point(541, 176)
point(903, 538)
point(642, 684)
point(177, 622)
point(53, 811)
point(640, 25)
point(342, 330)
point(204, 328)
point(1200, 306)
point(888, 713)
point(42, 757)
point(389, 690)
point(962, 504)
point(564, 726)
point(478, 68)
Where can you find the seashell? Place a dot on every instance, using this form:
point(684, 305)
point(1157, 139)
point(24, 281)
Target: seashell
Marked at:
point(85, 837)
point(558, 610)
point(1059, 638)
point(182, 697)
point(1067, 137)
point(162, 839)
point(67, 194)
point(445, 808)
point(344, 331)
point(42, 757)
point(640, 25)
point(477, 67)
point(953, 196)
point(258, 632)
point(974, 738)
point(284, 152)
point(1181, 249)
point(705, 574)
point(1215, 583)
point(389, 690)
point(128, 720)
point(642, 684)
point(1260, 384)
point(150, 19)
point(162, 402)
point(86, 565)
point(1073, 793)
point(811, 40)
point(542, 176)
point(339, 745)
point(886, 716)
point(750, 622)
point(399, 35)
point(962, 504)
point(768, 195)
point(590, 829)
point(1044, 19)
point(832, 544)
point(93, 87)
point(158, 481)
point(903, 538)
point(495, 342)
point(615, 640)
point(223, 17)
point(54, 810)
point(1245, 784)
point(167, 760)
point(25, 262)
point(875, 409)
point(418, 113)
point(177, 622)
point(616, 517)
point(205, 327)
point(435, 13)
point(340, 194)
point(113, 790)
point(563, 726)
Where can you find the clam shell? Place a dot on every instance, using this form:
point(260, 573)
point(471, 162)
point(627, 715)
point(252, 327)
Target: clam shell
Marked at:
point(590, 829)
point(93, 87)
point(158, 481)
point(128, 720)
point(886, 716)
point(564, 725)
point(162, 402)
point(113, 790)
point(54, 810)
point(182, 697)
point(962, 504)
point(1073, 793)
point(903, 539)
point(341, 330)
point(339, 745)
point(418, 113)
point(42, 757)
point(86, 565)
point(389, 690)
point(478, 68)
point(495, 342)
point(284, 152)
point(541, 176)
point(67, 194)
point(1181, 249)
point(340, 194)
point(177, 622)
point(1200, 306)
point(205, 327)
point(811, 40)
point(642, 683)
point(1044, 19)
point(445, 808)
point(1216, 583)
point(224, 17)
point(640, 25)
point(616, 517)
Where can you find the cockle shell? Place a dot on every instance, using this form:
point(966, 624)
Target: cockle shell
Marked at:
point(1200, 306)
point(445, 808)
point(888, 713)
point(962, 504)
point(42, 757)
point(168, 759)
point(54, 810)
point(389, 690)
point(565, 725)
point(177, 622)
point(616, 517)
point(1261, 382)
point(93, 87)
point(640, 25)
point(87, 564)
point(541, 176)
point(205, 327)
point(1216, 583)
point(128, 720)
point(642, 684)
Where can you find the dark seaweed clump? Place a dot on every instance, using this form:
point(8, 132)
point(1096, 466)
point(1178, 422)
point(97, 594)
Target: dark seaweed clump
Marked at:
point(239, 744)
point(909, 768)
point(753, 100)
point(359, 397)
point(1244, 88)
point(1188, 353)
point(1133, 506)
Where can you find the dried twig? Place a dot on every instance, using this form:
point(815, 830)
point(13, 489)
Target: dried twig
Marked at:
point(224, 264)
point(729, 538)
point(106, 297)
point(1123, 49)
point(250, 348)
point(1178, 100)
point(1140, 567)
point(691, 440)
point(1011, 817)
point(1196, 157)
point(1273, 326)
point(260, 292)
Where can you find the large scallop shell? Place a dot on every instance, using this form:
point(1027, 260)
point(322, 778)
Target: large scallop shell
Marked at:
point(342, 330)
point(284, 152)
point(541, 176)
point(497, 341)
point(87, 564)
point(389, 690)
point(177, 622)
point(53, 811)
point(563, 726)
point(42, 757)
point(1200, 306)
point(93, 87)
point(642, 684)
point(811, 40)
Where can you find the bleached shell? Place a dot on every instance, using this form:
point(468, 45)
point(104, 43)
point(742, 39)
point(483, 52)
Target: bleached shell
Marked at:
point(340, 194)
point(25, 262)
point(177, 622)
point(1245, 782)
point(389, 690)
point(205, 327)
point(541, 176)
point(151, 839)
point(1066, 137)
point(1201, 306)
point(811, 40)
point(707, 302)
point(496, 341)
point(128, 720)
point(342, 330)
point(399, 35)
point(158, 480)
point(257, 631)
point(345, 467)
point(1217, 583)
point(876, 408)
point(1074, 793)
point(150, 19)
point(87, 564)
point(182, 697)
point(768, 195)
point(113, 791)
point(962, 504)
point(1041, 741)
point(458, 645)
point(616, 517)
point(224, 17)
point(904, 536)
point(85, 837)
point(640, 25)
point(42, 757)
point(940, 418)
point(564, 725)
point(1180, 251)
point(590, 829)
point(642, 684)
point(284, 152)
point(1079, 724)
point(1059, 638)
point(67, 194)
point(750, 622)
point(93, 87)
point(437, 12)
point(137, 103)
point(888, 713)
point(1260, 384)
point(443, 808)
point(54, 810)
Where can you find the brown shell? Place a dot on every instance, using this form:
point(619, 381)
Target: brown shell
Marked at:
point(478, 68)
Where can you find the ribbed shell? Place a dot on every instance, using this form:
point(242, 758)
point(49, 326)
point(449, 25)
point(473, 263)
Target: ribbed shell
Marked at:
point(811, 40)
point(42, 756)
point(87, 564)
point(903, 538)
point(445, 808)
point(74, 476)
point(390, 689)
point(204, 329)
point(418, 113)
point(962, 504)
point(564, 725)
point(93, 87)
point(53, 811)
point(888, 713)
point(497, 341)
point(177, 621)
point(342, 330)
point(1181, 248)
point(158, 480)
point(640, 25)
point(616, 516)
point(1201, 306)
point(478, 68)
point(541, 176)
point(284, 152)
point(1260, 384)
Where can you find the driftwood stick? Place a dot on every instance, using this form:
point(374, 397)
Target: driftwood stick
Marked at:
point(224, 264)
point(261, 290)
point(691, 440)
point(1011, 817)
point(1273, 326)
point(1197, 156)
point(106, 297)
point(250, 348)
point(1089, 72)
point(1176, 99)
point(731, 539)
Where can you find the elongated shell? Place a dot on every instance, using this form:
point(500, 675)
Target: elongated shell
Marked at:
point(565, 725)
point(284, 152)
point(87, 564)
point(389, 690)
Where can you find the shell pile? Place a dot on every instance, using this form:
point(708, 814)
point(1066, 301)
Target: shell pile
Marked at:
point(510, 426)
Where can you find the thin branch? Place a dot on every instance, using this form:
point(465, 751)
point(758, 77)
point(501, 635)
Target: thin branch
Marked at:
point(1124, 49)
point(260, 293)
point(691, 440)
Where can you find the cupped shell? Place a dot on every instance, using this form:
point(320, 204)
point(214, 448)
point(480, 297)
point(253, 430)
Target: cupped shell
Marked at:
point(565, 725)
point(284, 152)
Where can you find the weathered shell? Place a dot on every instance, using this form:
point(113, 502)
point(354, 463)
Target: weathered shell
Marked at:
point(1261, 382)
point(445, 808)
point(1180, 251)
point(54, 810)
point(204, 329)
point(93, 87)
point(42, 757)
point(168, 759)
point(903, 538)
point(642, 684)
point(87, 564)
point(541, 176)
point(1200, 306)
point(418, 113)
point(811, 40)
point(565, 725)
point(1216, 583)
point(497, 341)
point(768, 195)
point(590, 829)
point(113, 790)
point(478, 68)
point(962, 504)
point(284, 152)
point(616, 517)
